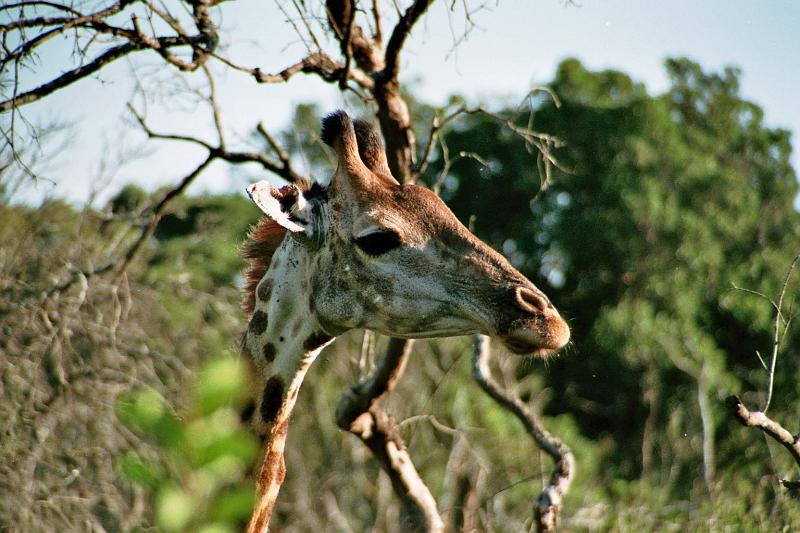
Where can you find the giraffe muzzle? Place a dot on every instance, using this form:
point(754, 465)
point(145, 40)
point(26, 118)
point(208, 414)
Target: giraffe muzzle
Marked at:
point(540, 331)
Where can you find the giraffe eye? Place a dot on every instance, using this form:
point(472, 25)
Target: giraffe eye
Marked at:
point(378, 242)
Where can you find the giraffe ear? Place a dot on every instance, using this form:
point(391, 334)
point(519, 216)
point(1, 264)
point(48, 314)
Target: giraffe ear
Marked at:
point(286, 206)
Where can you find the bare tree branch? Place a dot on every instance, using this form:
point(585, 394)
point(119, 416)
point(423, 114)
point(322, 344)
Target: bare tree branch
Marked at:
point(68, 77)
point(542, 143)
point(399, 35)
point(777, 337)
point(358, 413)
point(317, 63)
point(548, 505)
point(282, 168)
point(759, 419)
point(780, 326)
point(369, 67)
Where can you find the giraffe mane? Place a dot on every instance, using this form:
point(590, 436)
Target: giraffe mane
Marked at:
point(263, 239)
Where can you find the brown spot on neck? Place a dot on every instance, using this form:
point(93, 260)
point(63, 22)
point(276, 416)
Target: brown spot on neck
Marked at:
point(265, 290)
point(269, 352)
point(272, 399)
point(258, 324)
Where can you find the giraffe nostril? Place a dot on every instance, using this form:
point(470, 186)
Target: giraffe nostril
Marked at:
point(531, 301)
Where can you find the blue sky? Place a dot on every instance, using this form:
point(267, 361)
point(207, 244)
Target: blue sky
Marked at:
point(517, 44)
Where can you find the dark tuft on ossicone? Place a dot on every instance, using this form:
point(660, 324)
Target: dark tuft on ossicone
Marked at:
point(334, 125)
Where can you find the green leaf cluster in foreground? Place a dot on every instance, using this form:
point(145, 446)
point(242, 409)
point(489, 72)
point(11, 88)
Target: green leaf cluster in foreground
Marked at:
point(197, 476)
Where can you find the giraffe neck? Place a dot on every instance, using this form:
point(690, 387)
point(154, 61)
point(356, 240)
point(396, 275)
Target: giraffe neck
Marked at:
point(283, 339)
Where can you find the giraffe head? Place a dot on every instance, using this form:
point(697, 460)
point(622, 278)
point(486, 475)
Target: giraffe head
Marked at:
point(394, 259)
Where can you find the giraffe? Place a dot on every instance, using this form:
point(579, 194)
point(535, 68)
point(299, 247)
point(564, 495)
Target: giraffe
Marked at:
point(366, 252)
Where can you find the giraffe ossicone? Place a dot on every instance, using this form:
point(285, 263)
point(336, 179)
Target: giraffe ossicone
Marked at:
point(367, 252)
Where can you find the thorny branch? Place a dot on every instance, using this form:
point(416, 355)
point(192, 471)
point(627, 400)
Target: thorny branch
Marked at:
point(548, 505)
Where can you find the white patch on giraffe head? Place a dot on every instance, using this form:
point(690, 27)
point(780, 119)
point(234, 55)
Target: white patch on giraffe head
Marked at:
point(286, 206)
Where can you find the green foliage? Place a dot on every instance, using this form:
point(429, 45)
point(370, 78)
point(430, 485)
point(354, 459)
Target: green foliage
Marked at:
point(128, 200)
point(196, 477)
point(198, 241)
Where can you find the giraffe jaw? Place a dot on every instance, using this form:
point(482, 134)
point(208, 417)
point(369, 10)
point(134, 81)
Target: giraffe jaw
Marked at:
point(526, 342)
point(521, 347)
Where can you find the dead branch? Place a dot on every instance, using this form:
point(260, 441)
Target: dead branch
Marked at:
point(780, 327)
point(68, 77)
point(759, 419)
point(282, 167)
point(549, 502)
point(358, 413)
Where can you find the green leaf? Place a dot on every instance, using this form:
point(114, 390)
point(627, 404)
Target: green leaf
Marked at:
point(233, 505)
point(222, 382)
point(174, 509)
point(141, 471)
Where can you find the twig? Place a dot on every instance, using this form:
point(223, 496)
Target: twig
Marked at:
point(202, 44)
point(282, 168)
point(212, 102)
point(317, 63)
point(541, 142)
point(776, 342)
point(778, 334)
point(759, 419)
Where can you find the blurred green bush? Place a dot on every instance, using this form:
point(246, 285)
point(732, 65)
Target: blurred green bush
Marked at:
point(197, 479)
